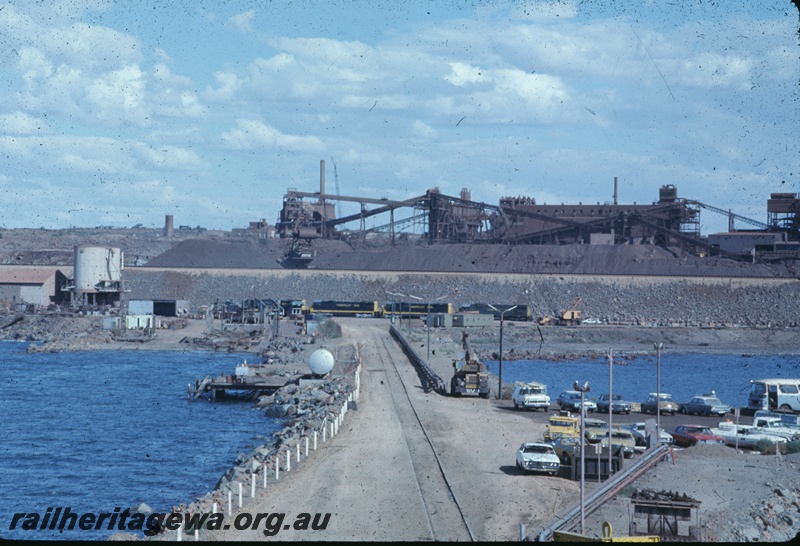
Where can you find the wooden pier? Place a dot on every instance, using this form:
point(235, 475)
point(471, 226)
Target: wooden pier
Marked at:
point(246, 383)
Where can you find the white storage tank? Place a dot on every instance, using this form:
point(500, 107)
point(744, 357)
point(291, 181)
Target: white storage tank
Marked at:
point(97, 268)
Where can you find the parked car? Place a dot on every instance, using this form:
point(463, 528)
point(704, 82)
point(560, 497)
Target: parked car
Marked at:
point(640, 435)
point(618, 404)
point(530, 395)
point(689, 435)
point(571, 401)
point(564, 447)
point(594, 430)
point(538, 457)
point(665, 403)
point(705, 404)
point(621, 437)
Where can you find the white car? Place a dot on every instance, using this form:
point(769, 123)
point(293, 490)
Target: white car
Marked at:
point(538, 457)
point(530, 395)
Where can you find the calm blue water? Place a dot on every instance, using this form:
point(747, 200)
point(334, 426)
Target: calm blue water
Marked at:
point(95, 431)
point(682, 375)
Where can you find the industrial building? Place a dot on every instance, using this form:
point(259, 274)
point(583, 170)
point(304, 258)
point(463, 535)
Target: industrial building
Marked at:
point(37, 286)
point(669, 221)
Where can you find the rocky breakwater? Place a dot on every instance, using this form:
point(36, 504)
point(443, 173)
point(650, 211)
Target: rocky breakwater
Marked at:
point(311, 414)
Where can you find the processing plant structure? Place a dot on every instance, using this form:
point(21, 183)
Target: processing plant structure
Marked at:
point(670, 221)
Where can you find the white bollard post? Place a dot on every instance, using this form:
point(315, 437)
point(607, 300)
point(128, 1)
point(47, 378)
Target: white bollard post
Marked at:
point(240, 494)
point(277, 467)
point(298, 452)
point(230, 494)
point(306, 454)
point(214, 508)
point(315, 440)
point(264, 470)
point(180, 538)
point(252, 485)
point(288, 461)
point(196, 535)
point(324, 431)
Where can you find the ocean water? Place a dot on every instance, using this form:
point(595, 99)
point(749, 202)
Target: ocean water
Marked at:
point(100, 430)
point(682, 375)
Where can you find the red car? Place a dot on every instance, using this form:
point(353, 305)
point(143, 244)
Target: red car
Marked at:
point(689, 435)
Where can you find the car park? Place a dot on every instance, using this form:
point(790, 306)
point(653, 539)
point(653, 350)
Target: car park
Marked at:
point(705, 404)
point(617, 401)
point(538, 457)
point(689, 435)
point(660, 400)
point(571, 401)
point(530, 396)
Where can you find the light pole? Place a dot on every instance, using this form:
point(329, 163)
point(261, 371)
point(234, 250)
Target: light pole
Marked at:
point(500, 367)
point(583, 389)
point(610, 407)
point(428, 322)
point(393, 295)
point(409, 312)
point(658, 347)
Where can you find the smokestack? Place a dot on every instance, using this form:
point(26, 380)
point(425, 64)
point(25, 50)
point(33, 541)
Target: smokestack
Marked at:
point(615, 190)
point(168, 226)
point(322, 177)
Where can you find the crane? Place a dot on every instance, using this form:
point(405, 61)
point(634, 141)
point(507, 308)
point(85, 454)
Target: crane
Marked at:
point(335, 176)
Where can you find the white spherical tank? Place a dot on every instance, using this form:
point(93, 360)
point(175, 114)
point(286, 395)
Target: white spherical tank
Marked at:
point(97, 265)
point(321, 362)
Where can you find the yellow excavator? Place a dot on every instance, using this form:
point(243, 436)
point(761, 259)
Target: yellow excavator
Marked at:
point(469, 375)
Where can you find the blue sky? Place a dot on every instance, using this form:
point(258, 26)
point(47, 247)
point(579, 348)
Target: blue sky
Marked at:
point(118, 113)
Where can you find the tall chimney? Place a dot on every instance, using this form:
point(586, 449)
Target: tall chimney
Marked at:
point(322, 177)
point(168, 226)
point(615, 190)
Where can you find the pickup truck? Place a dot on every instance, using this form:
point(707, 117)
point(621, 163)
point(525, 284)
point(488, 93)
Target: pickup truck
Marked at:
point(776, 427)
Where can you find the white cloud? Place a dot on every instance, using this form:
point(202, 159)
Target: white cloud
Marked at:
point(462, 74)
point(253, 134)
point(20, 123)
point(243, 21)
point(708, 70)
point(119, 94)
point(423, 130)
point(171, 157)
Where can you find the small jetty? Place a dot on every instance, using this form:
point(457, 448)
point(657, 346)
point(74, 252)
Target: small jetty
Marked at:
point(248, 382)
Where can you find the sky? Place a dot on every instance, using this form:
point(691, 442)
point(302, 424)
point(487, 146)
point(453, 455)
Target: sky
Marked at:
point(118, 113)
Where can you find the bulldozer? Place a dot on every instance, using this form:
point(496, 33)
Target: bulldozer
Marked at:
point(469, 375)
point(570, 317)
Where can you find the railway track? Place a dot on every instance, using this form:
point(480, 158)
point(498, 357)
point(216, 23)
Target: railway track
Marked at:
point(445, 517)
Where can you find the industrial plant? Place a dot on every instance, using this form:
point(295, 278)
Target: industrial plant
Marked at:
point(670, 221)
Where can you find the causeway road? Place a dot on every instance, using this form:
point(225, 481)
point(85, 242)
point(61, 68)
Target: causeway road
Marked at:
point(413, 465)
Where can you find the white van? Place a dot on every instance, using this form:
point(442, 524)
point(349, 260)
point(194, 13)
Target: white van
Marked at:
point(774, 394)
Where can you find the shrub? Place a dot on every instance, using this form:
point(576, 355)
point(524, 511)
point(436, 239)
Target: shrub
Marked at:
point(768, 448)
